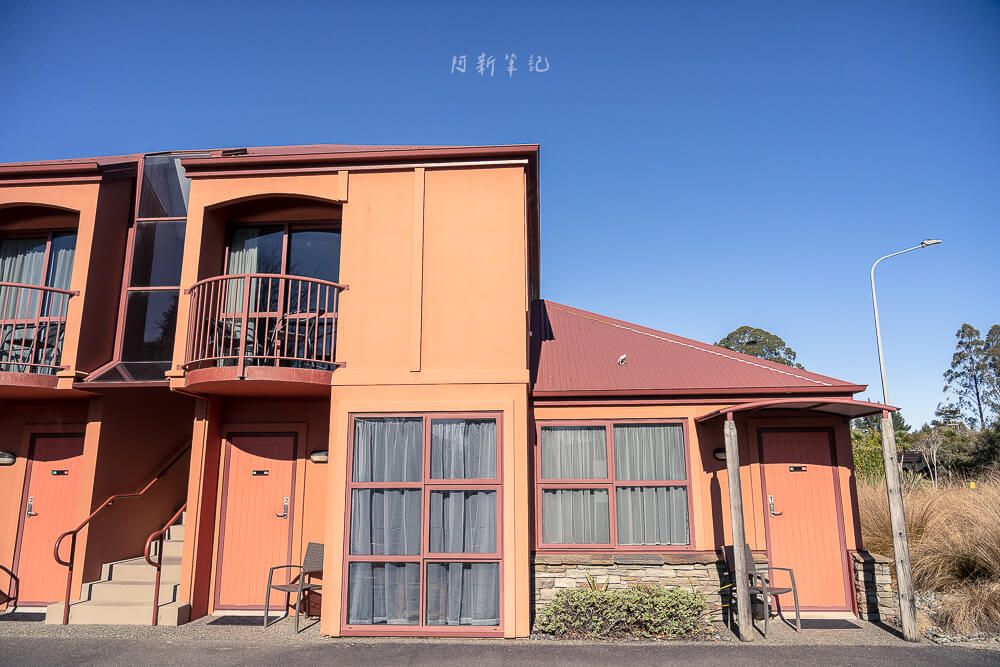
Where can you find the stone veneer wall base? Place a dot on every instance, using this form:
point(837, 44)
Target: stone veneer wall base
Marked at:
point(877, 600)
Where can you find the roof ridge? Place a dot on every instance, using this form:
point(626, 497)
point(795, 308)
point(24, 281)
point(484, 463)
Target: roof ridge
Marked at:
point(666, 338)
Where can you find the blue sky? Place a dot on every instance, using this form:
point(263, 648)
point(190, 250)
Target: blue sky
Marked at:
point(704, 165)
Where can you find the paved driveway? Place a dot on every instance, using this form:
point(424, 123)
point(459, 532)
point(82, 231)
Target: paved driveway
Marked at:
point(110, 651)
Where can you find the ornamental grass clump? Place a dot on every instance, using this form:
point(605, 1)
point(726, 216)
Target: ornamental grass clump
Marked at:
point(651, 612)
point(954, 535)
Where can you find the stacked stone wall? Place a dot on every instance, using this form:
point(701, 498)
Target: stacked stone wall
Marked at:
point(877, 599)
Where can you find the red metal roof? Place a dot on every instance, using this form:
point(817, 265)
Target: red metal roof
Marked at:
point(577, 353)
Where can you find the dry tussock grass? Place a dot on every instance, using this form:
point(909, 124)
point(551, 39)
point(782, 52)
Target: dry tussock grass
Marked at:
point(954, 534)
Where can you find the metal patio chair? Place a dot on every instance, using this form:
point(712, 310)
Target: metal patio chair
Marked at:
point(758, 584)
point(9, 597)
point(312, 564)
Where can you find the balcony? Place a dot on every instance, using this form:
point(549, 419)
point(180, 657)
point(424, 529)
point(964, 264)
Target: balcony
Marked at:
point(32, 329)
point(271, 328)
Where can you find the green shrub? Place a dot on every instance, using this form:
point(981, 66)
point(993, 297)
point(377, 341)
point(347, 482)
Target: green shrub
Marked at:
point(638, 611)
point(868, 463)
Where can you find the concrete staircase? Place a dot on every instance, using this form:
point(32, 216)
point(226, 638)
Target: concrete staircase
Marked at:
point(124, 594)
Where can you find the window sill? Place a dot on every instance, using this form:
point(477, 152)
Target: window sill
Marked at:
point(661, 557)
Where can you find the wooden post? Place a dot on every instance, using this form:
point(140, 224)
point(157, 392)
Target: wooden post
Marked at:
point(740, 581)
point(897, 519)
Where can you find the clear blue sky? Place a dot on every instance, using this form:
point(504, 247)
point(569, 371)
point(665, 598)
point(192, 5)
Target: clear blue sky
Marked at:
point(704, 164)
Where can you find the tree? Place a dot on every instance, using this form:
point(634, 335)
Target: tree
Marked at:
point(947, 414)
point(761, 344)
point(969, 375)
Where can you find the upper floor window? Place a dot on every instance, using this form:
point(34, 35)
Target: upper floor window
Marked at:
point(311, 251)
point(612, 485)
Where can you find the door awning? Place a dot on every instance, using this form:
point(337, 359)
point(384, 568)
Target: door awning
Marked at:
point(842, 407)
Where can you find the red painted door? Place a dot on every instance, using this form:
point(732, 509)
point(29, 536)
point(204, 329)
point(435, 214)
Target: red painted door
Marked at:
point(49, 509)
point(257, 510)
point(804, 530)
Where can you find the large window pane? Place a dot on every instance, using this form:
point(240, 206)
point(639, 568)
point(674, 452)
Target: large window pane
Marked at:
point(150, 321)
point(649, 452)
point(463, 522)
point(652, 515)
point(463, 594)
point(165, 188)
point(255, 249)
point(463, 449)
point(574, 452)
point(156, 258)
point(314, 253)
point(388, 449)
point(385, 521)
point(61, 260)
point(575, 516)
point(21, 261)
point(383, 594)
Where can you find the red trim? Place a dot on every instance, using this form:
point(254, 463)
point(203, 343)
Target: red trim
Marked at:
point(426, 486)
point(611, 485)
point(818, 402)
point(838, 501)
point(207, 166)
point(699, 391)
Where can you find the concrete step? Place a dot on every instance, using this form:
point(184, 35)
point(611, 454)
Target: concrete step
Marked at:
point(92, 612)
point(176, 533)
point(129, 591)
point(137, 569)
point(170, 549)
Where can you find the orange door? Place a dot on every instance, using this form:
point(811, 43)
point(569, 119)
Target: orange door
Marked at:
point(804, 529)
point(49, 509)
point(257, 507)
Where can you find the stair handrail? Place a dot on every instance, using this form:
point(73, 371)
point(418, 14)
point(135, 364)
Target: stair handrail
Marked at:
point(158, 536)
point(107, 503)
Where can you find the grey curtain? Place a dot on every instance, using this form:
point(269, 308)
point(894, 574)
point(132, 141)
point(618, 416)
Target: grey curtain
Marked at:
point(575, 516)
point(21, 261)
point(649, 452)
point(383, 593)
point(574, 452)
point(385, 521)
point(463, 522)
point(652, 515)
point(388, 449)
point(463, 594)
point(463, 448)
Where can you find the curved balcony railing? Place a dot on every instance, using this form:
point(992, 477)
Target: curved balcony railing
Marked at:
point(32, 327)
point(256, 319)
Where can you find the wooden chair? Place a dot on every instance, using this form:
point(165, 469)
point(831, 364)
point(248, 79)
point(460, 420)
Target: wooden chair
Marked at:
point(312, 564)
point(758, 584)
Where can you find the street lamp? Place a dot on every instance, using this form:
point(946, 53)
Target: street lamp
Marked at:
point(878, 331)
point(897, 515)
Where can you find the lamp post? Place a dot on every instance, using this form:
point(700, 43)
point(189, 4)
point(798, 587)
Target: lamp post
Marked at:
point(897, 517)
point(878, 330)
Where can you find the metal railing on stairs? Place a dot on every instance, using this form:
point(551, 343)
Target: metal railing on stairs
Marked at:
point(157, 537)
point(177, 456)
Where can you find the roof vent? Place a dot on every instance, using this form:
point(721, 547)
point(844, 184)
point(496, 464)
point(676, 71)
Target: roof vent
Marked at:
point(622, 360)
point(233, 152)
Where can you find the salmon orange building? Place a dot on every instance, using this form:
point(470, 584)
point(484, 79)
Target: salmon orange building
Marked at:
point(210, 360)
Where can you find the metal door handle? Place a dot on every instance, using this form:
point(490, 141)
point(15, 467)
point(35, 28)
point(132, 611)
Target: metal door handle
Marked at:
point(28, 512)
point(284, 513)
point(770, 503)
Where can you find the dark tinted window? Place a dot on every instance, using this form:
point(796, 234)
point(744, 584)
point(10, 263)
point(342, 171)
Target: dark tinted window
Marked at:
point(315, 253)
point(165, 188)
point(156, 260)
point(150, 319)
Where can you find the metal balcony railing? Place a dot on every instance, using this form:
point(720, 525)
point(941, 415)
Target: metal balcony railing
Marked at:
point(256, 319)
point(32, 327)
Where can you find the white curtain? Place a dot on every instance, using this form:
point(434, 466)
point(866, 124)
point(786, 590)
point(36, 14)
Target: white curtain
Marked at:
point(574, 452)
point(649, 452)
point(385, 521)
point(652, 514)
point(575, 516)
point(463, 448)
point(21, 261)
point(463, 522)
point(243, 250)
point(388, 449)
point(463, 594)
point(383, 593)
